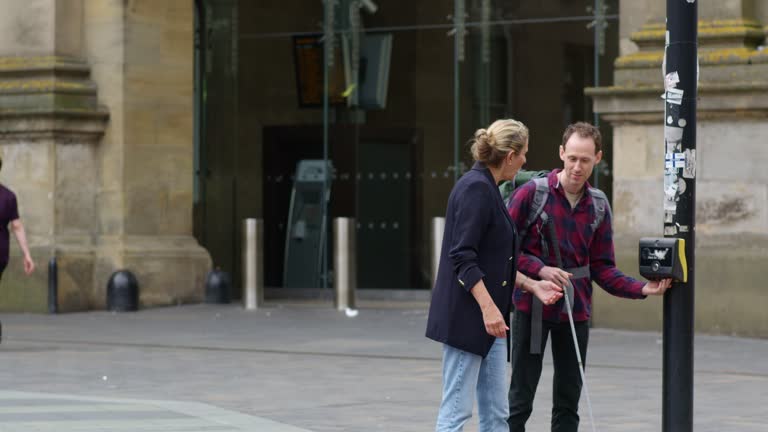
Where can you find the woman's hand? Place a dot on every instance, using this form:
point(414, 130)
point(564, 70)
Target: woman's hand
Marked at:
point(492, 318)
point(494, 322)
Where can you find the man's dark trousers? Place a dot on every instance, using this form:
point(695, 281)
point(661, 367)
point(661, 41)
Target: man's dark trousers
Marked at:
point(526, 370)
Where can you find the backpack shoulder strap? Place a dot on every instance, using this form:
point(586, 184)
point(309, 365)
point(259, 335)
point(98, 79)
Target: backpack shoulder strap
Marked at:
point(537, 205)
point(506, 188)
point(600, 202)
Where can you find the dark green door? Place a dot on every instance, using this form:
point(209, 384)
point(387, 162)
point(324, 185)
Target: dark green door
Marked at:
point(384, 215)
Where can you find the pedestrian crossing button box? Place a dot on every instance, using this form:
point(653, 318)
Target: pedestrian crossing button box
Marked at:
point(662, 258)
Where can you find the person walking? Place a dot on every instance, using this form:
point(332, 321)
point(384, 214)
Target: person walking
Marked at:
point(471, 299)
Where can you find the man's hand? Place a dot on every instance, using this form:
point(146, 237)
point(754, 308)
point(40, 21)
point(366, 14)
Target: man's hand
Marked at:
point(554, 274)
point(657, 287)
point(29, 265)
point(494, 322)
point(546, 291)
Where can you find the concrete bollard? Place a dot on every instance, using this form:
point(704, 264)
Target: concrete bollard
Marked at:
point(438, 227)
point(344, 263)
point(253, 263)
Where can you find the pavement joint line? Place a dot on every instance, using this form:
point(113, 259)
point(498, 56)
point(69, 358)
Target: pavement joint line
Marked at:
point(223, 349)
point(353, 355)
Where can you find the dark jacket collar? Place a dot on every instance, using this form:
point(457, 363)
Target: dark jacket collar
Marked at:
point(483, 168)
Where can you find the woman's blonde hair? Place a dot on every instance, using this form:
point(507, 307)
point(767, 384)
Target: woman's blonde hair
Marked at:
point(491, 145)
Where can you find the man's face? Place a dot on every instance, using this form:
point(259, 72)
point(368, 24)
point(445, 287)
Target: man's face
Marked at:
point(579, 158)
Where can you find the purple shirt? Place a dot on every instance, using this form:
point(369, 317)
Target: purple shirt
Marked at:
point(579, 246)
point(8, 212)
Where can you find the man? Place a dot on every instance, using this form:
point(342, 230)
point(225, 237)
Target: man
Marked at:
point(9, 214)
point(582, 222)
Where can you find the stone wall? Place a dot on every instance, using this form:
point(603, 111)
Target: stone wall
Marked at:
point(96, 131)
point(732, 187)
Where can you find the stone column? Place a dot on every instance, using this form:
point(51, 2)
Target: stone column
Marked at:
point(142, 56)
point(103, 177)
point(50, 128)
point(732, 184)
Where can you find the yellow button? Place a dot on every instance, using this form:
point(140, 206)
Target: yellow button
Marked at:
point(504, 283)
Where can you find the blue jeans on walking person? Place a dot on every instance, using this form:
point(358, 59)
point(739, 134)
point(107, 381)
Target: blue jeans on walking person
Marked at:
point(466, 374)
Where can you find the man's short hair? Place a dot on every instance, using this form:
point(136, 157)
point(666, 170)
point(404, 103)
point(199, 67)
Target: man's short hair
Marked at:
point(585, 130)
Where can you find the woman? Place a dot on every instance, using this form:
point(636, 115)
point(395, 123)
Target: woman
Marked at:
point(471, 299)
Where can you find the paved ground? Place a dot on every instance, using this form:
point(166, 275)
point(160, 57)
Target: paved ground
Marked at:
point(303, 366)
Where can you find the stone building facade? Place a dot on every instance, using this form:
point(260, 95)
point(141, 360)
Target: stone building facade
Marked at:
point(121, 159)
point(96, 138)
point(731, 181)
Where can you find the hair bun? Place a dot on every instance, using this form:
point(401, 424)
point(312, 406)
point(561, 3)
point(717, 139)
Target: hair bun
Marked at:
point(485, 136)
point(491, 145)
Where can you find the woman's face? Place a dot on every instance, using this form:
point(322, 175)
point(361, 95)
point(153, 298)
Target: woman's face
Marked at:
point(513, 162)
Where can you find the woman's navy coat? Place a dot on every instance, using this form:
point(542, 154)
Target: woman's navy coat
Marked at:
point(478, 243)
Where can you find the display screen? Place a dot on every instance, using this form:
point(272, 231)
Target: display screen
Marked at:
point(308, 55)
point(662, 255)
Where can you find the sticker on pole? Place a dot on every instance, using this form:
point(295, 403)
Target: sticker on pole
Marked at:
point(674, 160)
point(671, 80)
point(675, 96)
point(689, 170)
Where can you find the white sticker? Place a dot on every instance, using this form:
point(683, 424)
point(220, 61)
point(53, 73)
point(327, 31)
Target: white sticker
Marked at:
point(671, 80)
point(673, 136)
point(674, 160)
point(669, 217)
point(670, 230)
point(672, 133)
point(682, 122)
point(670, 185)
point(681, 186)
point(670, 120)
point(689, 170)
point(670, 206)
point(675, 96)
point(682, 228)
point(670, 190)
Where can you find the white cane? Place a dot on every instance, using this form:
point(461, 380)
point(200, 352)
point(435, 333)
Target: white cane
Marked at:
point(556, 248)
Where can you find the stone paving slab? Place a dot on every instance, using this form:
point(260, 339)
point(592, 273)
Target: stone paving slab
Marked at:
point(312, 367)
point(44, 412)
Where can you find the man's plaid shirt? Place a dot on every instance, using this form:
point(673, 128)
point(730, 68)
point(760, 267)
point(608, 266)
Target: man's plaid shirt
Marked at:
point(579, 246)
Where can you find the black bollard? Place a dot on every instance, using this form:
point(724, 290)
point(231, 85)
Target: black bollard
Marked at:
point(53, 287)
point(122, 292)
point(218, 285)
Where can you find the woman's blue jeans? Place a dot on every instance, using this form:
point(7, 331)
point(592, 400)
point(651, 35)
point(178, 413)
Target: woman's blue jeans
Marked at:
point(466, 374)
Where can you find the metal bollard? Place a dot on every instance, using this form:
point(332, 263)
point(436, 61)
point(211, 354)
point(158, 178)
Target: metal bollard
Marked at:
point(122, 292)
point(53, 287)
point(253, 263)
point(344, 262)
point(438, 227)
